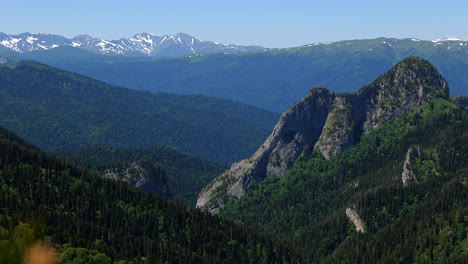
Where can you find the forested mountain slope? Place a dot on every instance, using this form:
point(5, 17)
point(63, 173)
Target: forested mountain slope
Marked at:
point(55, 109)
point(272, 78)
point(90, 219)
point(185, 175)
point(399, 195)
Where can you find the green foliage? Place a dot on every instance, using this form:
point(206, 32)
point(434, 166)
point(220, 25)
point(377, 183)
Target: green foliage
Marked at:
point(14, 240)
point(102, 219)
point(307, 205)
point(55, 109)
point(71, 255)
point(186, 175)
point(17, 241)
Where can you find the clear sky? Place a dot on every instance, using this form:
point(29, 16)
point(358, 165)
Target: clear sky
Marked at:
point(268, 23)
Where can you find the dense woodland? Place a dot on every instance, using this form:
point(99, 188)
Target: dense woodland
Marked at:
point(426, 222)
point(185, 175)
point(89, 217)
point(55, 109)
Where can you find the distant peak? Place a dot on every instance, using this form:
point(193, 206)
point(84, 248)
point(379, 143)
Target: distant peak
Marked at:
point(144, 34)
point(84, 36)
point(449, 38)
point(143, 43)
point(425, 78)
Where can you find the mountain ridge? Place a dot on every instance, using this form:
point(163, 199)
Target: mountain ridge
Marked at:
point(56, 109)
point(406, 222)
point(327, 123)
point(142, 44)
point(272, 79)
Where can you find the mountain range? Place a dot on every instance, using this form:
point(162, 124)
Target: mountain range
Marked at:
point(379, 175)
point(142, 44)
point(272, 79)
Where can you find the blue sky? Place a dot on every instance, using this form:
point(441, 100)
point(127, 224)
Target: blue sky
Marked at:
point(267, 23)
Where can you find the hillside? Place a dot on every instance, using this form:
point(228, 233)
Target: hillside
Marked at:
point(55, 109)
point(274, 78)
point(185, 175)
point(399, 194)
point(88, 219)
point(141, 174)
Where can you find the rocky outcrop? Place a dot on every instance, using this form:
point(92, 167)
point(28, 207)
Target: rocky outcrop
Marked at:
point(140, 174)
point(407, 85)
point(354, 217)
point(294, 135)
point(339, 130)
point(328, 123)
point(408, 175)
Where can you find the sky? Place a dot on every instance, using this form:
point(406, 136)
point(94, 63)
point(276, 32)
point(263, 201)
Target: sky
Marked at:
point(272, 24)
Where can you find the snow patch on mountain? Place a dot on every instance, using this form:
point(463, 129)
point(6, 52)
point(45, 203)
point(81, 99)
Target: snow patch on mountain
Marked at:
point(140, 44)
point(448, 38)
point(31, 39)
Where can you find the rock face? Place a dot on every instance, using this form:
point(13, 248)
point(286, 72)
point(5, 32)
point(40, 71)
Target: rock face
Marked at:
point(294, 135)
point(408, 175)
point(140, 174)
point(354, 217)
point(328, 123)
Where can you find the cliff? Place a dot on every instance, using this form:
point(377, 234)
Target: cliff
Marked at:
point(328, 123)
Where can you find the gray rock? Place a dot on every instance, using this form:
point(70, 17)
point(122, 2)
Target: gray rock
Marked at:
point(408, 175)
point(140, 174)
point(354, 217)
point(328, 123)
point(339, 130)
point(298, 128)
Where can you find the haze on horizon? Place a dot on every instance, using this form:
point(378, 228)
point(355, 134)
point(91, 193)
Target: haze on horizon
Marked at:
point(273, 24)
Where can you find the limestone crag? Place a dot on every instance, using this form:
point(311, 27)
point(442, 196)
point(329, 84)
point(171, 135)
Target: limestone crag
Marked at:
point(407, 85)
point(298, 128)
point(408, 175)
point(326, 122)
point(354, 217)
point(140, 174)
point(339, 130)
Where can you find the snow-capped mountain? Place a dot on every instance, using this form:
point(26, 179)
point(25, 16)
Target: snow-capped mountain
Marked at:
point(140, 44)
point(27, 42)
point(448, 38)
